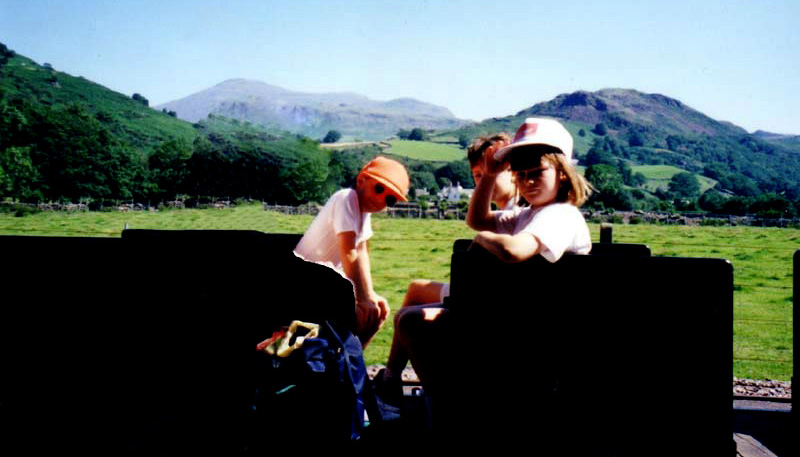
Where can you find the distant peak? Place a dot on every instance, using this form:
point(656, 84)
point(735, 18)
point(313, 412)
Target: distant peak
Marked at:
point(242, 83)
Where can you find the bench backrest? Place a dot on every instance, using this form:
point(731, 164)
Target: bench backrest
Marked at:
point(623, 249)
point(617, 350)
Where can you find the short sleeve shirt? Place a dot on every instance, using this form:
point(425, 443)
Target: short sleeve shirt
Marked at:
point(559, 227)
point(340, 214)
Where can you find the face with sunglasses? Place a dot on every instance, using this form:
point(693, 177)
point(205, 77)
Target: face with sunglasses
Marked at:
point(374, 196)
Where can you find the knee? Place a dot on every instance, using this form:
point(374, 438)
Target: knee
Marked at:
point(421, 292)
point(404, 318)
point(415, 288)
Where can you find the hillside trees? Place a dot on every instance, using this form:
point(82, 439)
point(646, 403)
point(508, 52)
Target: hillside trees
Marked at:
point(415, 134)
point(609, 190)
point(332, 136)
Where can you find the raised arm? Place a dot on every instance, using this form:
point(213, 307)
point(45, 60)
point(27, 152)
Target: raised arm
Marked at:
point(479, 214)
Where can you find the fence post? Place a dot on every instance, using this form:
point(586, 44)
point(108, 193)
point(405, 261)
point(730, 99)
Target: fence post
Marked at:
point(795, 293)
point(605, 232)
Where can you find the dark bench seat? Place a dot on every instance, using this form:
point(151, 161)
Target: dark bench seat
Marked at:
point(608, 354)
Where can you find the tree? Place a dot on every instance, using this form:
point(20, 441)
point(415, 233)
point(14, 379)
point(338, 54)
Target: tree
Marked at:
point(457, 171)
point(139, 98)
point(600, 129)
point(5, 54)
point(684, 185)
point(599, 154)
point(608, 184)
point(417, 134)
point(20, 174)
point(167, 166)
point(332, 136)
point(424, 180)
point(712, 201)
point(636, 139)
point(463, 140)
point(77, 157)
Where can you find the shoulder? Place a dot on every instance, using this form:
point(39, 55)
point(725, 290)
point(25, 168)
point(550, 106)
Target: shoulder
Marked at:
point(344, 197)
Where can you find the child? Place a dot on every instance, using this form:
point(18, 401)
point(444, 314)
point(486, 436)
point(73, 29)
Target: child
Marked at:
point(540, 158)
point(424, 297)
point(338, 236)
point(504, 194)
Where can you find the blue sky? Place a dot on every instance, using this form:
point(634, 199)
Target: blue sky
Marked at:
point(734, 60)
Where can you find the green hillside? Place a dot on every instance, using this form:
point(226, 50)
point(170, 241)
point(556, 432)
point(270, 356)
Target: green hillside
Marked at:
point(132, 121)
point(627, 130)
point(659, 176)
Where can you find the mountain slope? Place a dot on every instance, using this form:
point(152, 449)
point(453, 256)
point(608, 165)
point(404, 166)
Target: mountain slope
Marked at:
point(353, 115)
point(625, 110)
point(133, 121)
point(653, 129)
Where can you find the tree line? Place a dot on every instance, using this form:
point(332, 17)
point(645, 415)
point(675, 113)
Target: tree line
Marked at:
point(66, 153)
point(617, 187)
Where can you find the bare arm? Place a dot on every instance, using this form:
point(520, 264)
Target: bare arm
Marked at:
point(479, 214)
point(356, 264)
point(509, 248)
point(355, 261)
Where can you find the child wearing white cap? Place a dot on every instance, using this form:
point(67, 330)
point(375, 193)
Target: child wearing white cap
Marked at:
point(540, 157)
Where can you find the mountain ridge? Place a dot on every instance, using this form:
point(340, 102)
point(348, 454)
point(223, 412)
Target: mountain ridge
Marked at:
point(311, 114)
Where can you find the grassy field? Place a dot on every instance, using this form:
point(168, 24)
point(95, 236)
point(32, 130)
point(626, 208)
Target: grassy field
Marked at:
point(404, 249)
point(658, 177)
point(426, 150)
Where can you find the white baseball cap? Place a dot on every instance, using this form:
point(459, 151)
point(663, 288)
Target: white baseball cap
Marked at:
point(538, 130)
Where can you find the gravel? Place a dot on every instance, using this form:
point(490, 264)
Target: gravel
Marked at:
point(762, 388)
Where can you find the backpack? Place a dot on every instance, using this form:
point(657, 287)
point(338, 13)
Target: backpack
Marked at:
point(312, 396)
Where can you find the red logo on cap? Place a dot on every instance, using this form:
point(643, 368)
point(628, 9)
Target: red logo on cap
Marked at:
point(525, 130)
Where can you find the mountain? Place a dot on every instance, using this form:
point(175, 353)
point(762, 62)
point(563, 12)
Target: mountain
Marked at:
point(653, 129)
point(311, 114)
point(629, 110)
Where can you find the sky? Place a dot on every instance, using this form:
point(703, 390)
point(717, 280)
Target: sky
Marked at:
point(734, 60)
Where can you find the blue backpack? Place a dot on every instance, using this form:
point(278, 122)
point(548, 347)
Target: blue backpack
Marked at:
point(314, 395)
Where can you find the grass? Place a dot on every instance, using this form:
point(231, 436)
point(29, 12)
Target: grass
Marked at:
point(404, 249)
point(426, 150)
point(658, 176)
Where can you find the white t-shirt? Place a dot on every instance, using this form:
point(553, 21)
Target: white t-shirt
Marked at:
point(559, 227)
point(340, 214)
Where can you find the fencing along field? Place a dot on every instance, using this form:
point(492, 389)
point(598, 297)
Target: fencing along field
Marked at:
point(404, 249)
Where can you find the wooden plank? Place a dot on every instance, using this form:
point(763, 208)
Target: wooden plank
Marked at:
point(747, 446)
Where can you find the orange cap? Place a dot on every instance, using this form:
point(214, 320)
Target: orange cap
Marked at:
point(390, 173)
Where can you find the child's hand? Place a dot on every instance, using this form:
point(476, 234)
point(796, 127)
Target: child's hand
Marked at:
point(491, 165)
point(372, 312)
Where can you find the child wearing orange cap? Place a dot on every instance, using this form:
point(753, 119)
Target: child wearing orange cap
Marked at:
point(338, 236)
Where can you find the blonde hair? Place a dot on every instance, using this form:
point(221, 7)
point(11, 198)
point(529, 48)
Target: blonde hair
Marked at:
point(575, 189)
